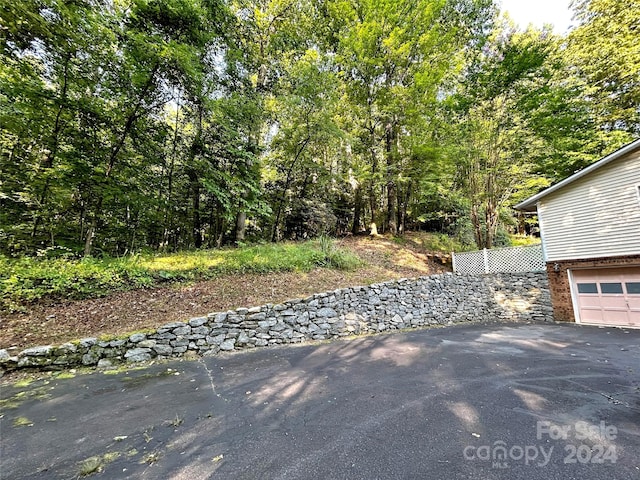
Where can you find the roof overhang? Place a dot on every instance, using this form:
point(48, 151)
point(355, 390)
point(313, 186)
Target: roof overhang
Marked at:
point(530, 203)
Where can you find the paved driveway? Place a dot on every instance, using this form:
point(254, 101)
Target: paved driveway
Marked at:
point(499, 401)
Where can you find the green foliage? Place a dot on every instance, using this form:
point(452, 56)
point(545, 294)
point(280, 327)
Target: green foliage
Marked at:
point(166, 125)
point(25, 280)
point(495, 139)
point(335, 257)
point(28, 279)
point(523, 240)
point(440, 242)
point(604, 51)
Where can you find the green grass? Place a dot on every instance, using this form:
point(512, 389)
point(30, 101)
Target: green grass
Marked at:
point(440, 242)
point(26, 280)
point(523, 240)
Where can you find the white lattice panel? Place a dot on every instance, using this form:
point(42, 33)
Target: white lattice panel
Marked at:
point(472, 263)
point(501, 260)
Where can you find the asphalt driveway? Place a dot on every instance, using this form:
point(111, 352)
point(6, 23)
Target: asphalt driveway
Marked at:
point(500, 401)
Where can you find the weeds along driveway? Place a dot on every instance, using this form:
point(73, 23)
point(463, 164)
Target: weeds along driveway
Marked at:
point(500, 401)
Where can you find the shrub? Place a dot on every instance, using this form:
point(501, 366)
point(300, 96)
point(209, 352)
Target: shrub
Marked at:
point(335, 257)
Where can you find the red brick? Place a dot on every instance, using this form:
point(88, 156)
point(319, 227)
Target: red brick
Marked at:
point(559, 281)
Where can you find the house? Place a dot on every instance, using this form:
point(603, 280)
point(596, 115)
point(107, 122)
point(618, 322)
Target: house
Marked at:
point(590, 230)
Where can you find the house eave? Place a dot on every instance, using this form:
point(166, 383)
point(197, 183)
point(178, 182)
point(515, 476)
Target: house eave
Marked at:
point(531, 203)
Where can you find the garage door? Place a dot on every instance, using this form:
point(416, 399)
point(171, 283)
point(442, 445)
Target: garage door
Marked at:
point(608, 296)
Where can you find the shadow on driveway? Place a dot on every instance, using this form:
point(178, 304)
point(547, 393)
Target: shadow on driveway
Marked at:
point(424, 404)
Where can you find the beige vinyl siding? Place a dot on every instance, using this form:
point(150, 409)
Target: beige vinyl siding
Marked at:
point(598, 215)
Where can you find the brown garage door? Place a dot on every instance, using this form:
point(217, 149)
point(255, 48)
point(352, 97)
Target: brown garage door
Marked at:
point(608, 296)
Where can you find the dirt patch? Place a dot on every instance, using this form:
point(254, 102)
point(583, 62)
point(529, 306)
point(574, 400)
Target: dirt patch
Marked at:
point(122, 312)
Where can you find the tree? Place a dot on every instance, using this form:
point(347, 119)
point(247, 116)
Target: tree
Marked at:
point(85, 84)
point(303, 114)
point(393, 56)
point(496, 140)
point(604, 49)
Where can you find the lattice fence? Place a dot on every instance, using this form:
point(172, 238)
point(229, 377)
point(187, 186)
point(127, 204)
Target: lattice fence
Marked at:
point(500, 260)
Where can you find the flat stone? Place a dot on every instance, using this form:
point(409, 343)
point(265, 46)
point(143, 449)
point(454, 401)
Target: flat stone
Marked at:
point(326, 312)
point(200, 331)
point(235, 319)
point(217, 340)
point(218, 317)
point(37, 351)
point(228, 344)
point(66, 348)
point(90, 358)
point(163, 349)
point(30, 361)
point(184, 330)
point(170, 326)
point(105, 363)
point(267, 323)
point(147, 344)
point(88, 342)
point(137, 337)
point(138, 355)
point(198, 321)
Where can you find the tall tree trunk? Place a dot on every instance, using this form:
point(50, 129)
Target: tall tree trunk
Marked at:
point(168, 215)
point(276, 225)
point(194, 177)
point(372, 181)
point(357, 210)
point(194, 182)
point(392, 194)
point(241, 225)
point(403, 201)
point(91, 231)
point(491, 224)
point(477, 227)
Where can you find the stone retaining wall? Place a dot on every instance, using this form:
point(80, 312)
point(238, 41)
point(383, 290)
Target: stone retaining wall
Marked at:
point(434, 300)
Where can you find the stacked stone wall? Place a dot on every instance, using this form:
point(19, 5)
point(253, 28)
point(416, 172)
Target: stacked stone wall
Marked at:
point(407, 303)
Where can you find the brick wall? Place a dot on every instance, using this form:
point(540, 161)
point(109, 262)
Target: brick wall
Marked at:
point(559, 281)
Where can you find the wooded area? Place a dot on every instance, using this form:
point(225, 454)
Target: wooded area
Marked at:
point(172, 124)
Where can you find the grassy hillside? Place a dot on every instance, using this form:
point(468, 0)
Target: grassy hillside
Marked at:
point(27, 279)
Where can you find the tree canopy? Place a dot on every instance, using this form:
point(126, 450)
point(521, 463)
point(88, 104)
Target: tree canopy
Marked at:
point(170, 124)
